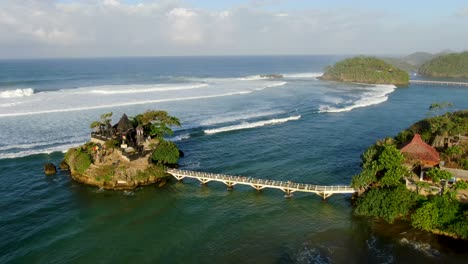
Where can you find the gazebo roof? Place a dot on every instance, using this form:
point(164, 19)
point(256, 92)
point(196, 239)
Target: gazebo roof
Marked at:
point(124, 124)
point(418, 149)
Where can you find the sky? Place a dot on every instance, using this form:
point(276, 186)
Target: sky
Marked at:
point(116, 28)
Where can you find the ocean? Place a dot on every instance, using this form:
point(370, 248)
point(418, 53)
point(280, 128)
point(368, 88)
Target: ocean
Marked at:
point(234, 121)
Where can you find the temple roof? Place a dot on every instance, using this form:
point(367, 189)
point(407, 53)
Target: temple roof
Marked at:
point(418, 149)
point(124, 125)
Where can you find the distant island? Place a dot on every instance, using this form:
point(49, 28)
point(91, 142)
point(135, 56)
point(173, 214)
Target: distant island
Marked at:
point(125, 155)
point(420, 176)
point(369, 70)
point(453, 65)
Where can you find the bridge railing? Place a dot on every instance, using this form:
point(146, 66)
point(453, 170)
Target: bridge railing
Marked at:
point(264, 182)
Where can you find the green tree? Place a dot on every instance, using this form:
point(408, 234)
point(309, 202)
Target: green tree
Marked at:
point(389, 203)
point(157, 123)
point(104, 120)
point(437, 175)
point(166, 153)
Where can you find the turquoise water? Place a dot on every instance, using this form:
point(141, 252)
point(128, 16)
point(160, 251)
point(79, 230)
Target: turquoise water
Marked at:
point(53, 219)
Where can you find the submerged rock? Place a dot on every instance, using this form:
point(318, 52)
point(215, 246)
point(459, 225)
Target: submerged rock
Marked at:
point(50, 169)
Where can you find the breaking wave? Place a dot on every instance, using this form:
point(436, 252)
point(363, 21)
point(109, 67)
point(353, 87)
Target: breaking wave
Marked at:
point(303, 75)
point(124, 104)
point(247, 125)
point(24, 153)
point(111, 89)
point(16, 93)
point(180, 137)
point(375, 95)
point(237, 117)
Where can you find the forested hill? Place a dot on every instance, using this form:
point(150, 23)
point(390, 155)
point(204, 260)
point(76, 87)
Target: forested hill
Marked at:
point(366, 70)
point(454, 65)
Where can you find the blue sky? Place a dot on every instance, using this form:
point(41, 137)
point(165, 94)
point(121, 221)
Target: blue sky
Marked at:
point(77, 28)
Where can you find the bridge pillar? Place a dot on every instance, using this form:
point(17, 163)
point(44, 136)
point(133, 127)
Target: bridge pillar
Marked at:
point(257, 187)
point(230, 185)
point(325, 195)
point(178, 177)
point(203, 181)
point(288, 193)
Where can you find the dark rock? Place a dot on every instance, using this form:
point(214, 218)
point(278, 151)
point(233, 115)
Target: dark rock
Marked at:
point(272, 76)
point(63, 165)
point(50, 169)
point(181, 153)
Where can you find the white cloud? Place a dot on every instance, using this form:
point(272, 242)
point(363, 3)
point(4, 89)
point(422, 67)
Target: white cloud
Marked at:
point(111, 2)
point(169, 27)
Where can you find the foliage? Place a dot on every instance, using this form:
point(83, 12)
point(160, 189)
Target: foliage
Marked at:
point(366, 70)
point(156, 170)
point(460, 185)
point(112, 143)
point(388, 203)
point(78, 159)
point(157, 123)
point(437, 108)
point(454, 152)
point(166, 153)
point(381, 164)
point(104, 120)
point(448, 123)
point(453, 65)
point(437, 175)
point(439, 212)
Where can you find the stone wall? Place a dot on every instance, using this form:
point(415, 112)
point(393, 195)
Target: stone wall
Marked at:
point(457, 173)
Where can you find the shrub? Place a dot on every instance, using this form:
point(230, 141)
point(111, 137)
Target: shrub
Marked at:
point(437, 175)
point(389, 203)
point(78, 159)
point(166, 153)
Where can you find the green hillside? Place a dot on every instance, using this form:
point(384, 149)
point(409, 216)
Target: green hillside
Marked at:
point(366, 70)
point(453, 65)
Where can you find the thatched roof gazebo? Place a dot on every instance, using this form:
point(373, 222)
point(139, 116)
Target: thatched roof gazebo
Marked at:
point(418, 150)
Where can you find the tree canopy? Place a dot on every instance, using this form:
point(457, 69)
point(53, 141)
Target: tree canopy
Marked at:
point(453, 65)
point(157, 123)
point(366, 70)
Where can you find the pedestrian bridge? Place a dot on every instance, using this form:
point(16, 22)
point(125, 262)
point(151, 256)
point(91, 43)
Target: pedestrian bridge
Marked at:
point(287, 187)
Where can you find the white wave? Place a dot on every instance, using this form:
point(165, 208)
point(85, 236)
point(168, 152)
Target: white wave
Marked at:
point(254, 78)
point(124, 104)
point(303, 75)
point(251, 125)
point(180, 137)
point(271, 85)
point(41, 144)
point(376, 95)
point(131, 89)
point(61, 148)
point(17, 93)
point(237, 117)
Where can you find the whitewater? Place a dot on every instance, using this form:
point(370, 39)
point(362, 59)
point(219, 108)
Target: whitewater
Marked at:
point(245, 102)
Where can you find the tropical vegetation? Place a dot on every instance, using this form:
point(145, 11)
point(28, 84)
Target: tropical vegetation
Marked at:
point(453, 65)
point(366, 70)
point(382, 181)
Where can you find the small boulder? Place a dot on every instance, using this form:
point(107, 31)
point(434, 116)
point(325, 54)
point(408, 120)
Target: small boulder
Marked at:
point(50, 169)
point(63, 165)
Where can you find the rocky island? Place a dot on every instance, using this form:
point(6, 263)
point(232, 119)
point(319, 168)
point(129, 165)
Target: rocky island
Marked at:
point(419, 176)
point(367, 70)
point(125, 155)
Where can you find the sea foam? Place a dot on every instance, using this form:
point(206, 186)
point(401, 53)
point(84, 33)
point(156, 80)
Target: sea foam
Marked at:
point(16, 93)
point(374, 95)
point(247, 125)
